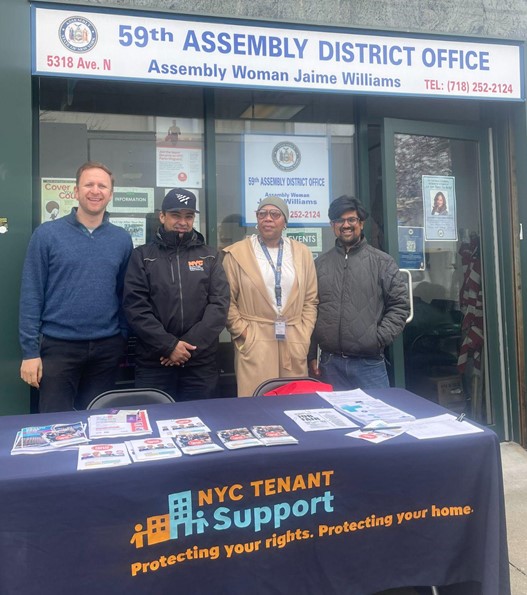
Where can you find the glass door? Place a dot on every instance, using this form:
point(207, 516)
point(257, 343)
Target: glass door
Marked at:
point(436, 220)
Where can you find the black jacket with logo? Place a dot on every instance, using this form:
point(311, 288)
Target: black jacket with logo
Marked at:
point(363, 301)
point(175, 289)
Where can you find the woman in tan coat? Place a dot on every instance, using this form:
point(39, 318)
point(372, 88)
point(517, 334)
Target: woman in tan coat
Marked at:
point(273, 305)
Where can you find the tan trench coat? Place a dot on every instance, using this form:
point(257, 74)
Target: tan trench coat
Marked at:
point(261, 356)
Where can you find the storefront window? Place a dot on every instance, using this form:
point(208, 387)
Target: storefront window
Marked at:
point(153, 138)
point(320, 134)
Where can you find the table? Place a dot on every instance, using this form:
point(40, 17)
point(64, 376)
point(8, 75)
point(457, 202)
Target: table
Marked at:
point(331, 515)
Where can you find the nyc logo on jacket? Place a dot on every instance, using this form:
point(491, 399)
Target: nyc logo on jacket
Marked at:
point(195, 265)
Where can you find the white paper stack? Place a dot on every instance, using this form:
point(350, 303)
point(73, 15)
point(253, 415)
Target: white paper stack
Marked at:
point(152, 449)
point(101, 456)
point(238, 438)
point(124, 422)
point(364, 408)
point(311, 420)
point(187, 425)
point(50, 438)
point(273, 435)
point(197, 443)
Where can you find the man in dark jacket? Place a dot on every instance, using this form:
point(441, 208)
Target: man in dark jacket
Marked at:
point(176, 299)
point(363, 304)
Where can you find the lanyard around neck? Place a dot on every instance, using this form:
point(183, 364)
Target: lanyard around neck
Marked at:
point(277, 270)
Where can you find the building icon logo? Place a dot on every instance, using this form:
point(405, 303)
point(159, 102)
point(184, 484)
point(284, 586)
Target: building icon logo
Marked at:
point(286, 156)
point(78, 34)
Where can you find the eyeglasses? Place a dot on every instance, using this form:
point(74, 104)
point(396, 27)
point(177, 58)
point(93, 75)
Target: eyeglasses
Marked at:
point(274, 214)
point(348, 220)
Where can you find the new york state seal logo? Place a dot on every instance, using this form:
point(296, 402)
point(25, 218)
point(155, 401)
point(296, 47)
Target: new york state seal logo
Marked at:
point(78, 34)
point(286, 156)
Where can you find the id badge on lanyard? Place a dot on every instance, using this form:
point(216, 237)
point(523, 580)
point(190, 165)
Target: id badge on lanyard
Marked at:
point(279, 328)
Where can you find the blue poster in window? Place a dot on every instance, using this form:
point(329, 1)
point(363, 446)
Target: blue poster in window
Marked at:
point(411, 248)
point(439, 205)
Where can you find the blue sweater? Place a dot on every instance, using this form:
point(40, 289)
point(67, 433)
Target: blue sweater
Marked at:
point(72, 282)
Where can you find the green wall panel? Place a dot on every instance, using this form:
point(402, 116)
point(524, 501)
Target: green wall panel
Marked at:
point(15, 191)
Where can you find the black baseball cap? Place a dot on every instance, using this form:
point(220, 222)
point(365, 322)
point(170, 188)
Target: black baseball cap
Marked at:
point(178, 199)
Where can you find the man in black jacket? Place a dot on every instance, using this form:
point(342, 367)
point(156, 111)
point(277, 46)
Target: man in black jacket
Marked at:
point(363, 304)
point(176, 299)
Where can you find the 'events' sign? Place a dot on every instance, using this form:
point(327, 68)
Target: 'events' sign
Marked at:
point(85, 43)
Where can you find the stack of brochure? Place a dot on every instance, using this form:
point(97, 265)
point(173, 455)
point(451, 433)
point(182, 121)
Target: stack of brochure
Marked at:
point(54, 437)
point(311, 420)
point(124, 422)
point(363, 408)
point(191, 434)
point(152, 449)
point(197, 443)
point(169, 428)
point(273, 435)
point(238, 438)
point(100, 456)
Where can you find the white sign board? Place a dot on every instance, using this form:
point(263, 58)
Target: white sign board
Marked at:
point(114, 45)
point(295, 168)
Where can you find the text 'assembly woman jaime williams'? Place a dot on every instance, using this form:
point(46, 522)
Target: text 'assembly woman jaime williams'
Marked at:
point(273, 300)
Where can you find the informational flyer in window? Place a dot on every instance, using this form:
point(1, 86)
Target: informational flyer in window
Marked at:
point(439, 207)
point(136, 227)
point(57, 198)
point(132, 200)
point(310, 236)
point(178, 168)
point(411, 248)
point(295, 168)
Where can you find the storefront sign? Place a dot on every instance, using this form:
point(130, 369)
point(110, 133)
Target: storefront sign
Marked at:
point(132, 200)
point(295, 168)
point(114, 45)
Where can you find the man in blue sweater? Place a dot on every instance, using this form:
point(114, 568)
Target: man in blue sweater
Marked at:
point(72, 330)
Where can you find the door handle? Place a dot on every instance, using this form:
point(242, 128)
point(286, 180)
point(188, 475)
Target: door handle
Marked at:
point(410, 294)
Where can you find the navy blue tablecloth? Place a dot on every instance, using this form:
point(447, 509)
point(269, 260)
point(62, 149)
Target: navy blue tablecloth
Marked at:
point(331, 515)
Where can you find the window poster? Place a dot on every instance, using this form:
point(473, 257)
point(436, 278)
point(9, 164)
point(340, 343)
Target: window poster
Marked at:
point(295, 168)
point(57, 198)
point(132, 200)
point(411, 248)
point(439, 206)
point(178, 152)
point(177, 167)
point(135, 226)
point(310, 236)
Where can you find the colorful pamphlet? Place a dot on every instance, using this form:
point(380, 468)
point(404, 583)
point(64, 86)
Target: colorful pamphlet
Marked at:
point(99, 456)
point(196, 443)
point(151, 449)
point(273, 435)
point(238, 438)
point(376, 436)
point(53, 437)
point(169, 428)
point(124, 422)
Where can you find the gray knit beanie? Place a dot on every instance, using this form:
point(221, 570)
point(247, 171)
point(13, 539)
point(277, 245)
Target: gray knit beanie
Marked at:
point(277, 202)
